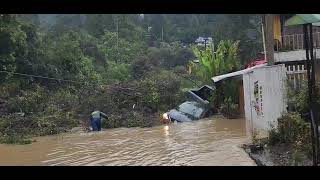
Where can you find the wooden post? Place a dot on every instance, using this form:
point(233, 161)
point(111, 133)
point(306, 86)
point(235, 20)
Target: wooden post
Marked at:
point(314, 128)
point(269, 38)
point(314, 94)
point(264, 38)
point(241, 99)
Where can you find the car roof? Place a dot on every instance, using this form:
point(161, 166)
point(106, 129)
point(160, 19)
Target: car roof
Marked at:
point(193, 103)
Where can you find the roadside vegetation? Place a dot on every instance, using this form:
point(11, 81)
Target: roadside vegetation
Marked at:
point(289, 144)
point(219, 60)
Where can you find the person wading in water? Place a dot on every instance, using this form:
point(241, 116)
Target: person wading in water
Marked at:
point(96, 120)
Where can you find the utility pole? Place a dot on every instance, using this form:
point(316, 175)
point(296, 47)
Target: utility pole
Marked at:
point(263, 38)
point(149, 35)
point(162, 35)
point(117, 31)
point(205, 43)
point(117, 28)
point(269, 38)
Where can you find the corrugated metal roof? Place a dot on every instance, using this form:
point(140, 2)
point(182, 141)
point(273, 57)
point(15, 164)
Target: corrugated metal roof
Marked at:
point(299, 19)
point(237, 73)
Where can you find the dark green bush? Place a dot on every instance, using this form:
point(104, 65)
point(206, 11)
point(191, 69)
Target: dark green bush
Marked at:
point(29, 101)
point(53, 121)
point(9, 89)
point(274, 137)
point(157, 91)
point(113, 121)
point(292, 127)
point(293, 131)
point(15, 139)
point(141, 66)
point(64, 99)
point(298, 99)
point(229, 109)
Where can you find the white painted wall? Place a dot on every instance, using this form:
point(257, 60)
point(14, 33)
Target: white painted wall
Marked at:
point(293, 55)
point(272, 80)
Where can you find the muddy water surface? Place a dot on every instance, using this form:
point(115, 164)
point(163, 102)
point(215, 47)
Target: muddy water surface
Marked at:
point(214, 141)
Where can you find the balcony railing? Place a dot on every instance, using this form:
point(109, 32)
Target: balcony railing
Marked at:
point(295, 42)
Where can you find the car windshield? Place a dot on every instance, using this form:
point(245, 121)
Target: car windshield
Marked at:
point(191, 108)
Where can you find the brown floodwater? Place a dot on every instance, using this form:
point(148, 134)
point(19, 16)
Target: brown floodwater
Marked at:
point(215, 141)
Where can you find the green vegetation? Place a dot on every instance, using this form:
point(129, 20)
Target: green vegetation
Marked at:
point(294, 133)
point(220, 61)
point(298, 98)
point(214, 62)
point(293, 129)
point(229, 109)
point(113, 63)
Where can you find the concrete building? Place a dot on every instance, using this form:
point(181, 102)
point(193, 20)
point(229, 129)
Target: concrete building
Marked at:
point(202, 41)
point(263, 95)
point(289, 49)
point(265, 86)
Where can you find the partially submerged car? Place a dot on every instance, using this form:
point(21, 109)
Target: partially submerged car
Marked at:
point(186, 112)
point(197, 107)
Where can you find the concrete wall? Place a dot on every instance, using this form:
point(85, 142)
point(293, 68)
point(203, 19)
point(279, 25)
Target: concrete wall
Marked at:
point(296, 56)
point(265, 97)
point(289, 30)
point(293, 55)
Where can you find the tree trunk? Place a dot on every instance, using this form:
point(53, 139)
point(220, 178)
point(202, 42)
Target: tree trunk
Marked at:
point(269, 38)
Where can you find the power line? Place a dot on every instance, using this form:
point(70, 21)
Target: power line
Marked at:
point(43, 77)
point(81, 82)
point(57, 79)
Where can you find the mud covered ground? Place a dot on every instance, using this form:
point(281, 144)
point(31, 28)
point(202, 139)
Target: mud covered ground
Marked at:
point(277, 155)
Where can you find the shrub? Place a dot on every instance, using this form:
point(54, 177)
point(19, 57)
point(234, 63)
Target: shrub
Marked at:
point(15, 139)
point(274, 137)
point(292, 130)
point(162, 90)
point(180, 70)
point(50, 121)
point(113, 121)
point(298, 99)
point(53, 121)
point(14, 124)
point(291, 127)
point(133, 118)
point(140, 66)
point(170, 56)
point(40, 114)
point(229, 109)
point(157, 91)
point(117, 72)
point(29, 101)
point(9, 89)
point(64, 99)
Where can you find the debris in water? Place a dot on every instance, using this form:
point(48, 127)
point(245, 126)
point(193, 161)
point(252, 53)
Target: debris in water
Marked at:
point(166, 127)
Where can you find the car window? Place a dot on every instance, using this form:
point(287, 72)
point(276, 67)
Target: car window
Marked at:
point(191, 108)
